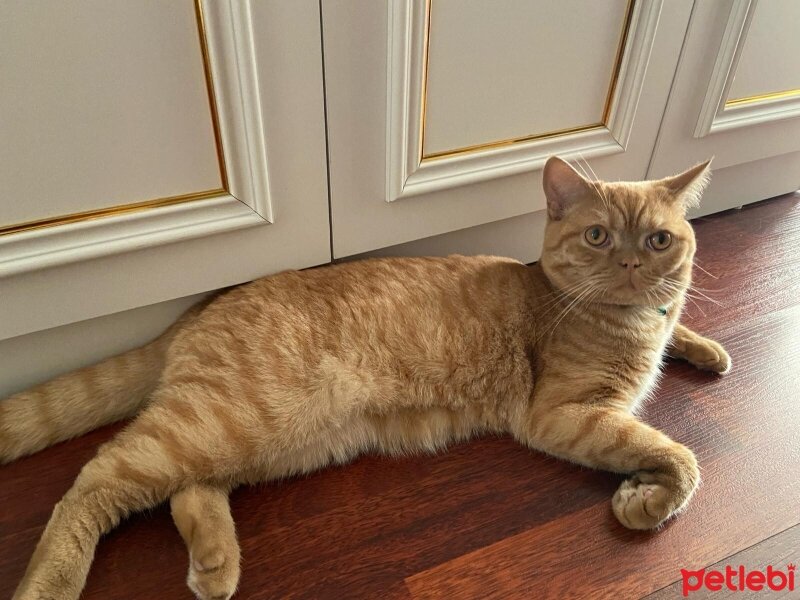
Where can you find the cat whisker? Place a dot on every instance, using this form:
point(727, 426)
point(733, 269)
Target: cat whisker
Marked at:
point(562, 291)
point(691, 285)
point(674, 286)
point(577, 288)
point(693, 301)
point(558, 297)
point(696, 264)
point(597, 186)
point(592, 181)
point(707, 297)
point(571, 306)
point(699, 292)
point(588, 166)
point(651, 297)
point(679, 288)
point(692, 290)
point(560, 307)
point(691, 298)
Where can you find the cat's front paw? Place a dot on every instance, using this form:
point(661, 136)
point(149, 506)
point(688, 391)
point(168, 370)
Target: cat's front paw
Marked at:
point(640, 505)
point(214, 573)
point(648, 499)
point(709, 355)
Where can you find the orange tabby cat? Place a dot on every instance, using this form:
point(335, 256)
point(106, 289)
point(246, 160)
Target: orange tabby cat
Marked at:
point(305, 369)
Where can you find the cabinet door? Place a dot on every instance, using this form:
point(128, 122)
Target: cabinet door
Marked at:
point(151, 150)
point(441, 113)
point(736, 97)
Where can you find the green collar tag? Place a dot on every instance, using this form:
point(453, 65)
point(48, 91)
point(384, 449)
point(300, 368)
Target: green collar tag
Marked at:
point(662, 310)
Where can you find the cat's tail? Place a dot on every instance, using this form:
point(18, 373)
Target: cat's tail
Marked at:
point(78, 402)
point(83, 400)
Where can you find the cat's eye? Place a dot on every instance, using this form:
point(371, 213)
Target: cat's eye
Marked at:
point(660, 240)
point(596, 235)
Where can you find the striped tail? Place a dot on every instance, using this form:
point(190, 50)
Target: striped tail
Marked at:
point(78, 402)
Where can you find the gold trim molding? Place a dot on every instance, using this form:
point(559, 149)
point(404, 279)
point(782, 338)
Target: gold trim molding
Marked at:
point(157, 202)
point(763, 97)
point(527, 138)
point(110, 211)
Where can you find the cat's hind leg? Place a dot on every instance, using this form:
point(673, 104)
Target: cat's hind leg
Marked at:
point(663, 474)
point(203, 517)
point(158, 454)
point(128, 474)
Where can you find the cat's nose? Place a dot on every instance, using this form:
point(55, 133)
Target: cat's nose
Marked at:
point(630, 263)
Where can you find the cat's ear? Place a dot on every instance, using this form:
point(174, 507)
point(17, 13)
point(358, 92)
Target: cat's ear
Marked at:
point(687, 187)
point(563, 186)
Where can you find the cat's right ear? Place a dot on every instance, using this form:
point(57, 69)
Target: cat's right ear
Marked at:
point(563, 186)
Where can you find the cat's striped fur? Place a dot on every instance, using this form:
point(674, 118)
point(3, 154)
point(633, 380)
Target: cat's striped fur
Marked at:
point(301, 370)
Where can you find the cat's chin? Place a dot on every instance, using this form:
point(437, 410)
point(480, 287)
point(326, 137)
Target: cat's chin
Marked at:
point(648, 297)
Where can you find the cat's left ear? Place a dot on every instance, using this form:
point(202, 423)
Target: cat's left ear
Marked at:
point(687, 187)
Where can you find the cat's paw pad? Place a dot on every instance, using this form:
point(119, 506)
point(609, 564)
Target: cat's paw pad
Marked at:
point(640, 505)
point(213, 574)
point(710, 356)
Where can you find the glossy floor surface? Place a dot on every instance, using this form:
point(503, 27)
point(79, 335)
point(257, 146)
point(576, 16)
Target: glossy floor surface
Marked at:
point(490, 519)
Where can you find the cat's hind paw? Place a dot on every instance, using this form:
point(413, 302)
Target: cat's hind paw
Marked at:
point(213, 573)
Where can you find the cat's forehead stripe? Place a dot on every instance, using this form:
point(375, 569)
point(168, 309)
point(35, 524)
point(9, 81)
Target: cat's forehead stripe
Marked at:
point(627, 209)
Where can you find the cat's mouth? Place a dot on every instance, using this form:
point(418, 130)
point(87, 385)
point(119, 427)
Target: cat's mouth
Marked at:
point(631, 282)
point(632, 288)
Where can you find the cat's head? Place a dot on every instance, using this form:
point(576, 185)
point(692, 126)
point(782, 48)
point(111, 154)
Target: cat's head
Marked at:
point(623, 242)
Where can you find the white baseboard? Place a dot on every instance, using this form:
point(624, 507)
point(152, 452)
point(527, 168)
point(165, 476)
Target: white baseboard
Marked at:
point(39, 356)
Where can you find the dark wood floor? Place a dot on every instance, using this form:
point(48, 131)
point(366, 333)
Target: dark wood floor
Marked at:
point(490, 519)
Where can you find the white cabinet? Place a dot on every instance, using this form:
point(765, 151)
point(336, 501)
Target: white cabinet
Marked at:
point(736, 96)
point(151, 150)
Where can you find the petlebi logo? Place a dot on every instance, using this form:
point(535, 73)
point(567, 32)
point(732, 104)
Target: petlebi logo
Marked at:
point(739, 579)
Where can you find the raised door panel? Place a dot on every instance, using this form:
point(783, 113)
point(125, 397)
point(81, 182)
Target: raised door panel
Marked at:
point(104, 103)
point(736, 98)
point(489, 62)
point(771, 42)
point(441, 114)
point(249, 104)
